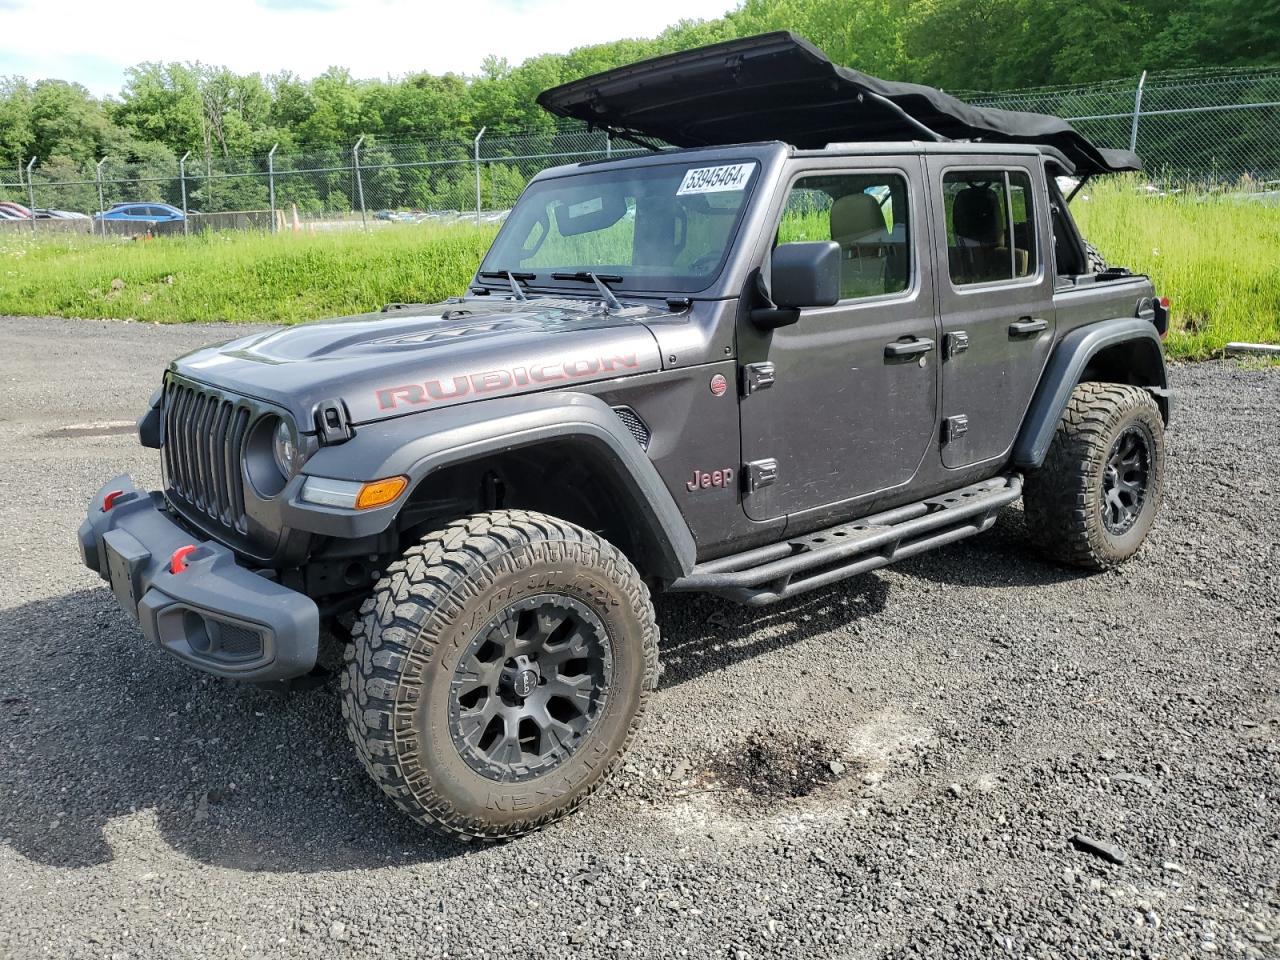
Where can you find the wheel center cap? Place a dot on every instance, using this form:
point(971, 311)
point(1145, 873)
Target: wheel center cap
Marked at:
point(524, 683)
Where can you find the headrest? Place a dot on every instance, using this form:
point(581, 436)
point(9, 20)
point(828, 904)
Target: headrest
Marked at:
point(977, 214)
point(855, 216)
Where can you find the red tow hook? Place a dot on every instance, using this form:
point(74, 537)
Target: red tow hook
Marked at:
point(110, 499)
point(178, 562)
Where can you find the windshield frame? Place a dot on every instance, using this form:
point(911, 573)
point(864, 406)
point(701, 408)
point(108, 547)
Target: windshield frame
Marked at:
point(687, 159)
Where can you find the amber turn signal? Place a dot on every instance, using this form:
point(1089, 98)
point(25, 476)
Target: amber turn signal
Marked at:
point(378, 493)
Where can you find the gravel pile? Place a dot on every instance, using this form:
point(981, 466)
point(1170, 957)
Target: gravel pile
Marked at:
point(969, 754)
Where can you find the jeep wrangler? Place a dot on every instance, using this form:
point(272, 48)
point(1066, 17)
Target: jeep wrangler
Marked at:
point(823, 323)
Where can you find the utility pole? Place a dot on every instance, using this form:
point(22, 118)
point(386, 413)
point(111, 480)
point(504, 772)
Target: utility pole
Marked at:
point(271, 183)
point(355, 159)
point(477, 146)
point(182, 176)
point(31, 194)
point(102, 204)
point(1137, 110)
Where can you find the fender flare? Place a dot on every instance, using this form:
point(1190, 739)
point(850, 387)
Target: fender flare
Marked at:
point(419, 444)
point(1067, 365)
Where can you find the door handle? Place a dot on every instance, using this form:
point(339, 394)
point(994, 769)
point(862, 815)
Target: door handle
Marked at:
point(907, 348)
point(1026, 326)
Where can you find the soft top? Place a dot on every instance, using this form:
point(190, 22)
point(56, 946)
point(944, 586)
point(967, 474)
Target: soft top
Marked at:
point(777, 86)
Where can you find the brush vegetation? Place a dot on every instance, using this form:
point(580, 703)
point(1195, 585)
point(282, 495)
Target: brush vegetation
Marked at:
point(1216, 256)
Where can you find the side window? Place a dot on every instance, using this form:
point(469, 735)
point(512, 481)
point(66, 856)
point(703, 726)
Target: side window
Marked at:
point(867, 214)
point(990, 225)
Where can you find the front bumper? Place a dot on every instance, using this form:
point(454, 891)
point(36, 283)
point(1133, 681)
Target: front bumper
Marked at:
point(215, 615)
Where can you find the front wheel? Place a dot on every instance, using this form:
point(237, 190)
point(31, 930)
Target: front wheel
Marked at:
point(1093, 500)
point(499, 672)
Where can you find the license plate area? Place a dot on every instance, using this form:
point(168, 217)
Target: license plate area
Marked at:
point(126, 558)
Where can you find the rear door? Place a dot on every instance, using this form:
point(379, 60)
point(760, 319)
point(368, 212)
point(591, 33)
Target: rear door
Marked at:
point(995, 293)
point(849, 404)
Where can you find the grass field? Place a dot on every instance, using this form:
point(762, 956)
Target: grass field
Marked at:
point(1217, 259)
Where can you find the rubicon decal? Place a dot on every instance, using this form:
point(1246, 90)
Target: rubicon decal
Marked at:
point(494, 381)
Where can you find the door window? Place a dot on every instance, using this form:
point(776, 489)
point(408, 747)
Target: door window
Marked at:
point(990, 225)
point(867, 214)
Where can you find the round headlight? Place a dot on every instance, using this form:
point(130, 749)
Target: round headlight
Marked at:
point(284, 448)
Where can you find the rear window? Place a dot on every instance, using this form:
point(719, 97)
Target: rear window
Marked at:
point(990, 226)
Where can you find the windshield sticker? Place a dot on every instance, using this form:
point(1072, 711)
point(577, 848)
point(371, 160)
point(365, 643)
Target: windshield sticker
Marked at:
point(586, 206)
point(715, 179)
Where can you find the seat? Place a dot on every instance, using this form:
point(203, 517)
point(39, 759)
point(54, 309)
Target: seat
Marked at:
point(857, 224)
point(981, 253)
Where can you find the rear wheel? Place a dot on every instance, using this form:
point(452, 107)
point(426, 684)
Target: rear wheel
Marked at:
point(1093, 500)
point(499, 672)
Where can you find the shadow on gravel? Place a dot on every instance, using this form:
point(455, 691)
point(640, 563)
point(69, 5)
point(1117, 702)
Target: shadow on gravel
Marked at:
point(96, 726)
point(1001, 557)
point(702, 634)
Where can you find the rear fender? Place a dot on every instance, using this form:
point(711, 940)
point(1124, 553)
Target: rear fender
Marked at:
point(1123, 350)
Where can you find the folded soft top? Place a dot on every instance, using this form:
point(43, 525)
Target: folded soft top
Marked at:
point(777, 86)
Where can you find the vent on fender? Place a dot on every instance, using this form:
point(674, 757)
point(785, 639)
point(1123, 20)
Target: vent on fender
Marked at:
point(635, 426)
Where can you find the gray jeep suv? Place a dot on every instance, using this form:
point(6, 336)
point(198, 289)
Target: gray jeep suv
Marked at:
point(846, 322)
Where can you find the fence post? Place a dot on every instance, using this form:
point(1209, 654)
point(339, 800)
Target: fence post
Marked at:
point(182, 176)
point(477, 146)
point(102, 203)
point(355, 159)
point(31, 194)
point(608, 144)
point(1137, 111)
point(271, 183)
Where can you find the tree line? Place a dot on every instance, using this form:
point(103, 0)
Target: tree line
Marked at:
point(164, 110)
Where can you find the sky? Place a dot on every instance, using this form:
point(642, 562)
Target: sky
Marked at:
point(92, 42)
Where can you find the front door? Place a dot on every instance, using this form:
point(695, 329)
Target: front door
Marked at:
point(852, 406)
point(995, 290)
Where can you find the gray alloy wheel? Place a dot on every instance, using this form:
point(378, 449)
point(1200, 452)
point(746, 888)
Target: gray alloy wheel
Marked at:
point(1094, 499)
point(499, 672)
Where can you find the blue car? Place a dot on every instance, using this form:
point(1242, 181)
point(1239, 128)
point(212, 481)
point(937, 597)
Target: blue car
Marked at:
point(144, 212)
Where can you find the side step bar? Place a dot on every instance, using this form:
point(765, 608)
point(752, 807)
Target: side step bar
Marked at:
point(781, 570)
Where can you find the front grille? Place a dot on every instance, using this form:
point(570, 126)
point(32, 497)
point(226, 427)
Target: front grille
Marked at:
point(204, 434)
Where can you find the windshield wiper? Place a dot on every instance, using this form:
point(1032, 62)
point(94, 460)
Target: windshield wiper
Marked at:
point(511, 278)
point(600, 280)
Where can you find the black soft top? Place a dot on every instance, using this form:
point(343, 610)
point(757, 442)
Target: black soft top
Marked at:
point(777, 86)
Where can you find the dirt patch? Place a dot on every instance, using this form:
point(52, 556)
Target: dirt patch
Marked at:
point(777, 768)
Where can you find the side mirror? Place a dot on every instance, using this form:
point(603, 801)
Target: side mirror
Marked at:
point(804, 275)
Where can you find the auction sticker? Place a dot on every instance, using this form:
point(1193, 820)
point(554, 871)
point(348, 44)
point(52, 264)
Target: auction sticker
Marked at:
point(715, 179)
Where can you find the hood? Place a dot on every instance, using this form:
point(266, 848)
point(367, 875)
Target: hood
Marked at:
point(415, 358)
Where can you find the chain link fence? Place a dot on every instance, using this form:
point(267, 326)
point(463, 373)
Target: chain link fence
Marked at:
point(1211, 128)
point(1204, 127)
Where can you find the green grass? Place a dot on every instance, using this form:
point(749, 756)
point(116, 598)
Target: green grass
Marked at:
point(240, 277)
point(1217, 259)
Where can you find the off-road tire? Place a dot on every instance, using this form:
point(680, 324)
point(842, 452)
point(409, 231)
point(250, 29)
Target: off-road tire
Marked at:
point(1094, 259)
point(1064, 499)
point(420, 622)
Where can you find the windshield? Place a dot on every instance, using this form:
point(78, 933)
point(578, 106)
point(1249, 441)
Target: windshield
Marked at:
point(652, 228)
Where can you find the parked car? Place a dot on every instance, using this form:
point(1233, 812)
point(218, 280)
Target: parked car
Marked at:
point(800, 359)
point(18, 210)
point(144, 213)
point(46, 214)
point(10, 215)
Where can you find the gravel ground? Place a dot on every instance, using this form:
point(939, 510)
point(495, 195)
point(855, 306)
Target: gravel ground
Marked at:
point(894, 766)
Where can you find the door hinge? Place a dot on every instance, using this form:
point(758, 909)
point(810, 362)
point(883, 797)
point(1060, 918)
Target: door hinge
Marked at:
point(757, 377)
point(953, 428)
point(955, 342)
point(761, 473)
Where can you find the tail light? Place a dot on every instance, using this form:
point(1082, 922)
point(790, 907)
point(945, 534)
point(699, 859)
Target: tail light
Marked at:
point(1162, 316)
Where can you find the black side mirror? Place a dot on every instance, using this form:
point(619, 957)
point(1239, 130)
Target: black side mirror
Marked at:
point(804, 275)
